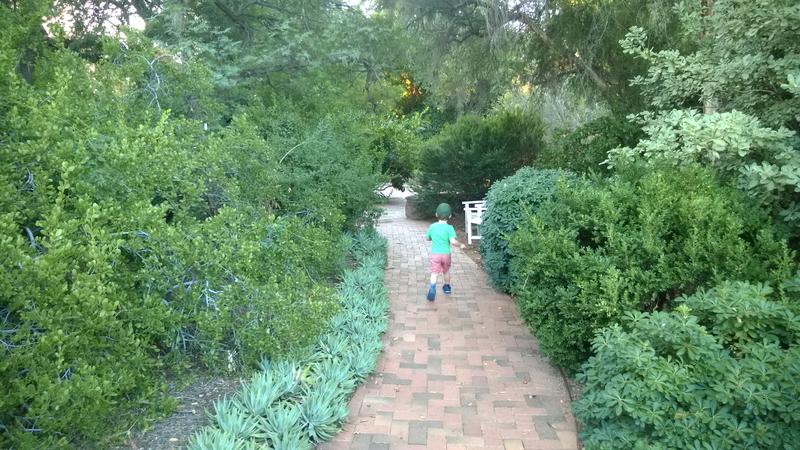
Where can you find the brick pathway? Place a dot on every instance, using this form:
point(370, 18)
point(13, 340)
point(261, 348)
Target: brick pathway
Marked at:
point(460, 373)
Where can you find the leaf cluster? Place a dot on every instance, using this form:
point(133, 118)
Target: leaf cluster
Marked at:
point(584, 149)
point(745, 53)
point(763, 162)
point(719, 371)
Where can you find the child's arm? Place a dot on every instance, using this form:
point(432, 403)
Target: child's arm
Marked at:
point(454, 241)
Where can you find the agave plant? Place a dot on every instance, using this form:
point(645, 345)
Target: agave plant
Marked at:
point(292, 442)
point(323, 411)
point(336, 373)
point(333, 345)
point(260, 394)
point(214, 439)
point(337, 322)
point(232, 420)
point(285, 375)
point(376, 310)
point(282, 422)
point(360, 329)
point(362, 362)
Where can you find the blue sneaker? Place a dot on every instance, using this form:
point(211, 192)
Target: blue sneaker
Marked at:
point(447, 289)
point(432, 293)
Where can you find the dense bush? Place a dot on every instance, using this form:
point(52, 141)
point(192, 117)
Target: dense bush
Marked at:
point(634, 242)
point(761, 161)
point(583, 149)
point(466, 157)
point(508, 202)
point(720, 371)
point(136, 244)
point(296, 403)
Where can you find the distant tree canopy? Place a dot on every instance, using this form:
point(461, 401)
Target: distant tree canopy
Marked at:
point(480, 47)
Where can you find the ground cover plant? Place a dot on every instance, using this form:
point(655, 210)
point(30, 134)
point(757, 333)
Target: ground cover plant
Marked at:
point(297, 403)
point(719, 371)
point(634, 242)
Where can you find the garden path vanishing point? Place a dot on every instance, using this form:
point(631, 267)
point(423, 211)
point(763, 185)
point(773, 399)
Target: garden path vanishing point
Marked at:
point(463, 372)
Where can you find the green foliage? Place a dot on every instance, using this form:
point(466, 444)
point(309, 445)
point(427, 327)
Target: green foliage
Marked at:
point(592, 30)
point(719, 372)
point(294, 403)
point(398, 141)
point(508, 203)
point(763, 162)
point(583, 149)
point(466, 157)
point(214, 439)
point(191, 248)
point(635, 242)
point(745, 53)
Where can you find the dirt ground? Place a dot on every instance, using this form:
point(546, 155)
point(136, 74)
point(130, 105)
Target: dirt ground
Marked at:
point(175, 431)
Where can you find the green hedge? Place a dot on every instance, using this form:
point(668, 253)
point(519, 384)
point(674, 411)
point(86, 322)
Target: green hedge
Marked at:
point(720, 371)
point(296, 403)
point(466, 157)
point(635, 242)
point(508, 203)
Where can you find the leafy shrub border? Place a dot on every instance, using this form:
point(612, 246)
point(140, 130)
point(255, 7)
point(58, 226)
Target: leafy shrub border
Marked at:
point(297, 403)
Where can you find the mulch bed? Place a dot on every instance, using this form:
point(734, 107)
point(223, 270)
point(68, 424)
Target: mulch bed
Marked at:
point(175, 431)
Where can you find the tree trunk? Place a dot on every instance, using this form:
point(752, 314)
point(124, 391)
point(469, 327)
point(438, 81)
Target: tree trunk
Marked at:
point(710, 104)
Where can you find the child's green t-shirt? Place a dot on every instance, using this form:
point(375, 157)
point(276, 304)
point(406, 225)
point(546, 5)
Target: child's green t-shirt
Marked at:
point(440, 234)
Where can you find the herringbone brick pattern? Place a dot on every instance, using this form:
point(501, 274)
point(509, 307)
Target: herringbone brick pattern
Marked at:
point(460, 373)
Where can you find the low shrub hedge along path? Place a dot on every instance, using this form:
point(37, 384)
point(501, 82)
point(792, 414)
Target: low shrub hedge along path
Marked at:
point(463, 372)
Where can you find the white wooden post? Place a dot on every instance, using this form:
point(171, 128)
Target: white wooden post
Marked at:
point(473, 215)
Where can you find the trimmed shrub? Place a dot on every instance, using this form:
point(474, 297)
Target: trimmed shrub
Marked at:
point(583, 149)
point(466, 157)
point(720, 371)
point(508, 203)
point(635, 242)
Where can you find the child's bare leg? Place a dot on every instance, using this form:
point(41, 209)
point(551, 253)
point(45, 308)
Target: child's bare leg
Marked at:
point(433, 278)
point(447, 277)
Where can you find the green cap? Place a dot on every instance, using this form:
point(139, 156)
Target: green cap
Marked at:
point(443, 210)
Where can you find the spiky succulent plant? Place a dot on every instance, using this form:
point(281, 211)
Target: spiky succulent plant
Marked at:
point(232, 420)
point(260, 393)
point(323, 410)
point(282, 422)
point(215, 439)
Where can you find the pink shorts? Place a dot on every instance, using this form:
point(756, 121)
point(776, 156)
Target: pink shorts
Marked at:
point(440, 263)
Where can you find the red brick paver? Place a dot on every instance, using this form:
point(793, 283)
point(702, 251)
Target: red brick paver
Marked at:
point(462, 372)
